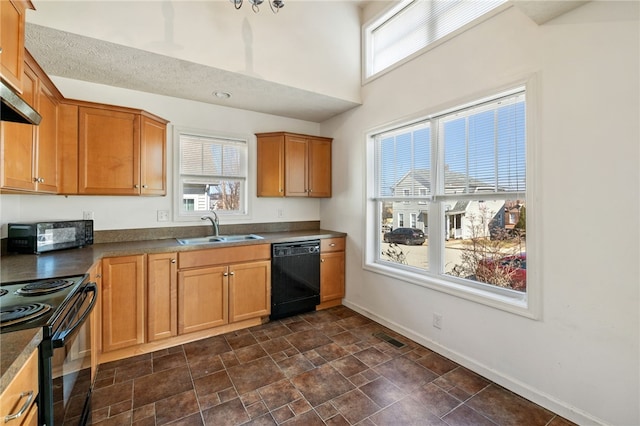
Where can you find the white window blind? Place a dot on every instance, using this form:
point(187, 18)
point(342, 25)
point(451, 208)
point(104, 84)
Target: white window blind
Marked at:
point(417, 25)
point(484, 148)
point(404, 162)
point(211, 157)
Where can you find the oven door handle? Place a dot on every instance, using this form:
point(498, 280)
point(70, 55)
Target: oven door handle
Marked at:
point(59, 339)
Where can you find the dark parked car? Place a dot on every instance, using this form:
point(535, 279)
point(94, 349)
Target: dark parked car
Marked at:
point(406, 236)
point(510, 270)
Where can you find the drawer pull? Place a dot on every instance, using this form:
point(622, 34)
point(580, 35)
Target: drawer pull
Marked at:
point(23, 409)
point(332, 245)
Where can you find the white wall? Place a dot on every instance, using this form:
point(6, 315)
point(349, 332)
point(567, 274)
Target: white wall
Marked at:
point(581, 358)
point(293, 47)
point(140, 212)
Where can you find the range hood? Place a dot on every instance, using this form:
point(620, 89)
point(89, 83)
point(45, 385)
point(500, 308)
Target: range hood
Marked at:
point(15, 109)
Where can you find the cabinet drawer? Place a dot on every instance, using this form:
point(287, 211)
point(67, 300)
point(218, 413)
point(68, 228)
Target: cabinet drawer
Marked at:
point(332, 244)
point(26, 380)
point(223, 256)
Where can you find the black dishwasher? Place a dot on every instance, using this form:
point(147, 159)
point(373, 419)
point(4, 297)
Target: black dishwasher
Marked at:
point(295, 278)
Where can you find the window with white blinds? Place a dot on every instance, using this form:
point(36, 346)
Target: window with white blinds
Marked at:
point(484, 147)
point(413, 25)
point(213, 174)
point(459, 176)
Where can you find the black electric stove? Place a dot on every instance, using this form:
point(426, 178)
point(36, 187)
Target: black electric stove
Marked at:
point(61, 307)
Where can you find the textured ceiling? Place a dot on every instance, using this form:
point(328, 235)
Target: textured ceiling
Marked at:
point(111, 64)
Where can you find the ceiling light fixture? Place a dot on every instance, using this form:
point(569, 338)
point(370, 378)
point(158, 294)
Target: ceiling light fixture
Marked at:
point(275, 5)
point(222, 95)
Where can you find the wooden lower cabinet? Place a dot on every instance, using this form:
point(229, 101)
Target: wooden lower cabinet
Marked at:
point(123, 302)
point(202, 298)
point(332, 270)
point(162, 296)
point(249, 290)
point(21, 394)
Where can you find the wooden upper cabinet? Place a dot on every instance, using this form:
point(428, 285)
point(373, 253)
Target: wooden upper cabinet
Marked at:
point(47, 147)
point(18, 142)
point(295, 170)
point(108, 152)
point(12, 19)
point(270, 166)
point(319, 168)
point(153, 157)
point(120, 151)
point(30, 153)
point(293, 165)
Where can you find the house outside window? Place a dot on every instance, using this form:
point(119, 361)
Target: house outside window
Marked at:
point(400, 220)
point(212, 175)
point(465, 173)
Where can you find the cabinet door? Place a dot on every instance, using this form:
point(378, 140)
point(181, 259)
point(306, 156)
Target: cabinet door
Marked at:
point(47, 142)
point(12, 19)
point(18, 141)
point(319, 168)
point(162, 296)
point(202, 298)
point(109, 152)
point(295, 162)
point(332, 276)
point(13, 399)
point(123, 300)
point(153, 158)
point(270, 168)
point(249, 290)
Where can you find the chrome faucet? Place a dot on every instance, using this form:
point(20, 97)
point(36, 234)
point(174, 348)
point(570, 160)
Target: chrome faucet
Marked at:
point(214, 222)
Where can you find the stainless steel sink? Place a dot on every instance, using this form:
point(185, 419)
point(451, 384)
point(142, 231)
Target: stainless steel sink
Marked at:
point(218, 239)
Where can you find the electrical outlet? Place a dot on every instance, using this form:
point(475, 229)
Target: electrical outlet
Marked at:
point(163, 215)
point(87, 215)
point(437, 321)
point(280, 212)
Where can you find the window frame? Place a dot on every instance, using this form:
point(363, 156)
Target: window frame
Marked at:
point(527, 304)
point(181, 216)
point(386, 15)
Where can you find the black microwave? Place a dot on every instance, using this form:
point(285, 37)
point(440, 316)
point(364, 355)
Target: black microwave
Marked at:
point(40, 237)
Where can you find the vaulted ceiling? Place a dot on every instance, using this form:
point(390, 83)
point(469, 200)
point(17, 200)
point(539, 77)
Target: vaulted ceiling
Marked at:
point(302, 63)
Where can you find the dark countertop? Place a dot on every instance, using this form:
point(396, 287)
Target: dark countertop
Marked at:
point(17, 346)
point(21, 267)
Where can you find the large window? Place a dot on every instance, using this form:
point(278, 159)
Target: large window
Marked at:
point(212, 175)
point(460, 176)
point(412, 25)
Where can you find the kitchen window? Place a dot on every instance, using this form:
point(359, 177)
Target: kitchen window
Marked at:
point(411, 26)
point(212, 175)
point(464, 172)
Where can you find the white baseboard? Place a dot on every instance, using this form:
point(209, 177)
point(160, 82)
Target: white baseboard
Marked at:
point(516, 386)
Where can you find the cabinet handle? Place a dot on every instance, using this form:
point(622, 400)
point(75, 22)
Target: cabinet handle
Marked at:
point(332, 245)
point(232, 273)
point(35, 180)
point(136, 186)
point(173, 261)
point(22, 410)
point(322, 260)
point(225, 275)
point(144, 186)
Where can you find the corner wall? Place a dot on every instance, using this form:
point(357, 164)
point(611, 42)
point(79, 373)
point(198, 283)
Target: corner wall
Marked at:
point(580, 359)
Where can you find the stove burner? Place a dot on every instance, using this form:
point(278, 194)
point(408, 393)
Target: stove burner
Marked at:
point(12, 315)
point(38, 288)
point(3, 292)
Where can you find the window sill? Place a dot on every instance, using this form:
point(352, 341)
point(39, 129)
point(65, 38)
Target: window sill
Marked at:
point(507, 300)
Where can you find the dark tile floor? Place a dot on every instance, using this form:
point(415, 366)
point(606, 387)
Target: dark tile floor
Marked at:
point(326, 367)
